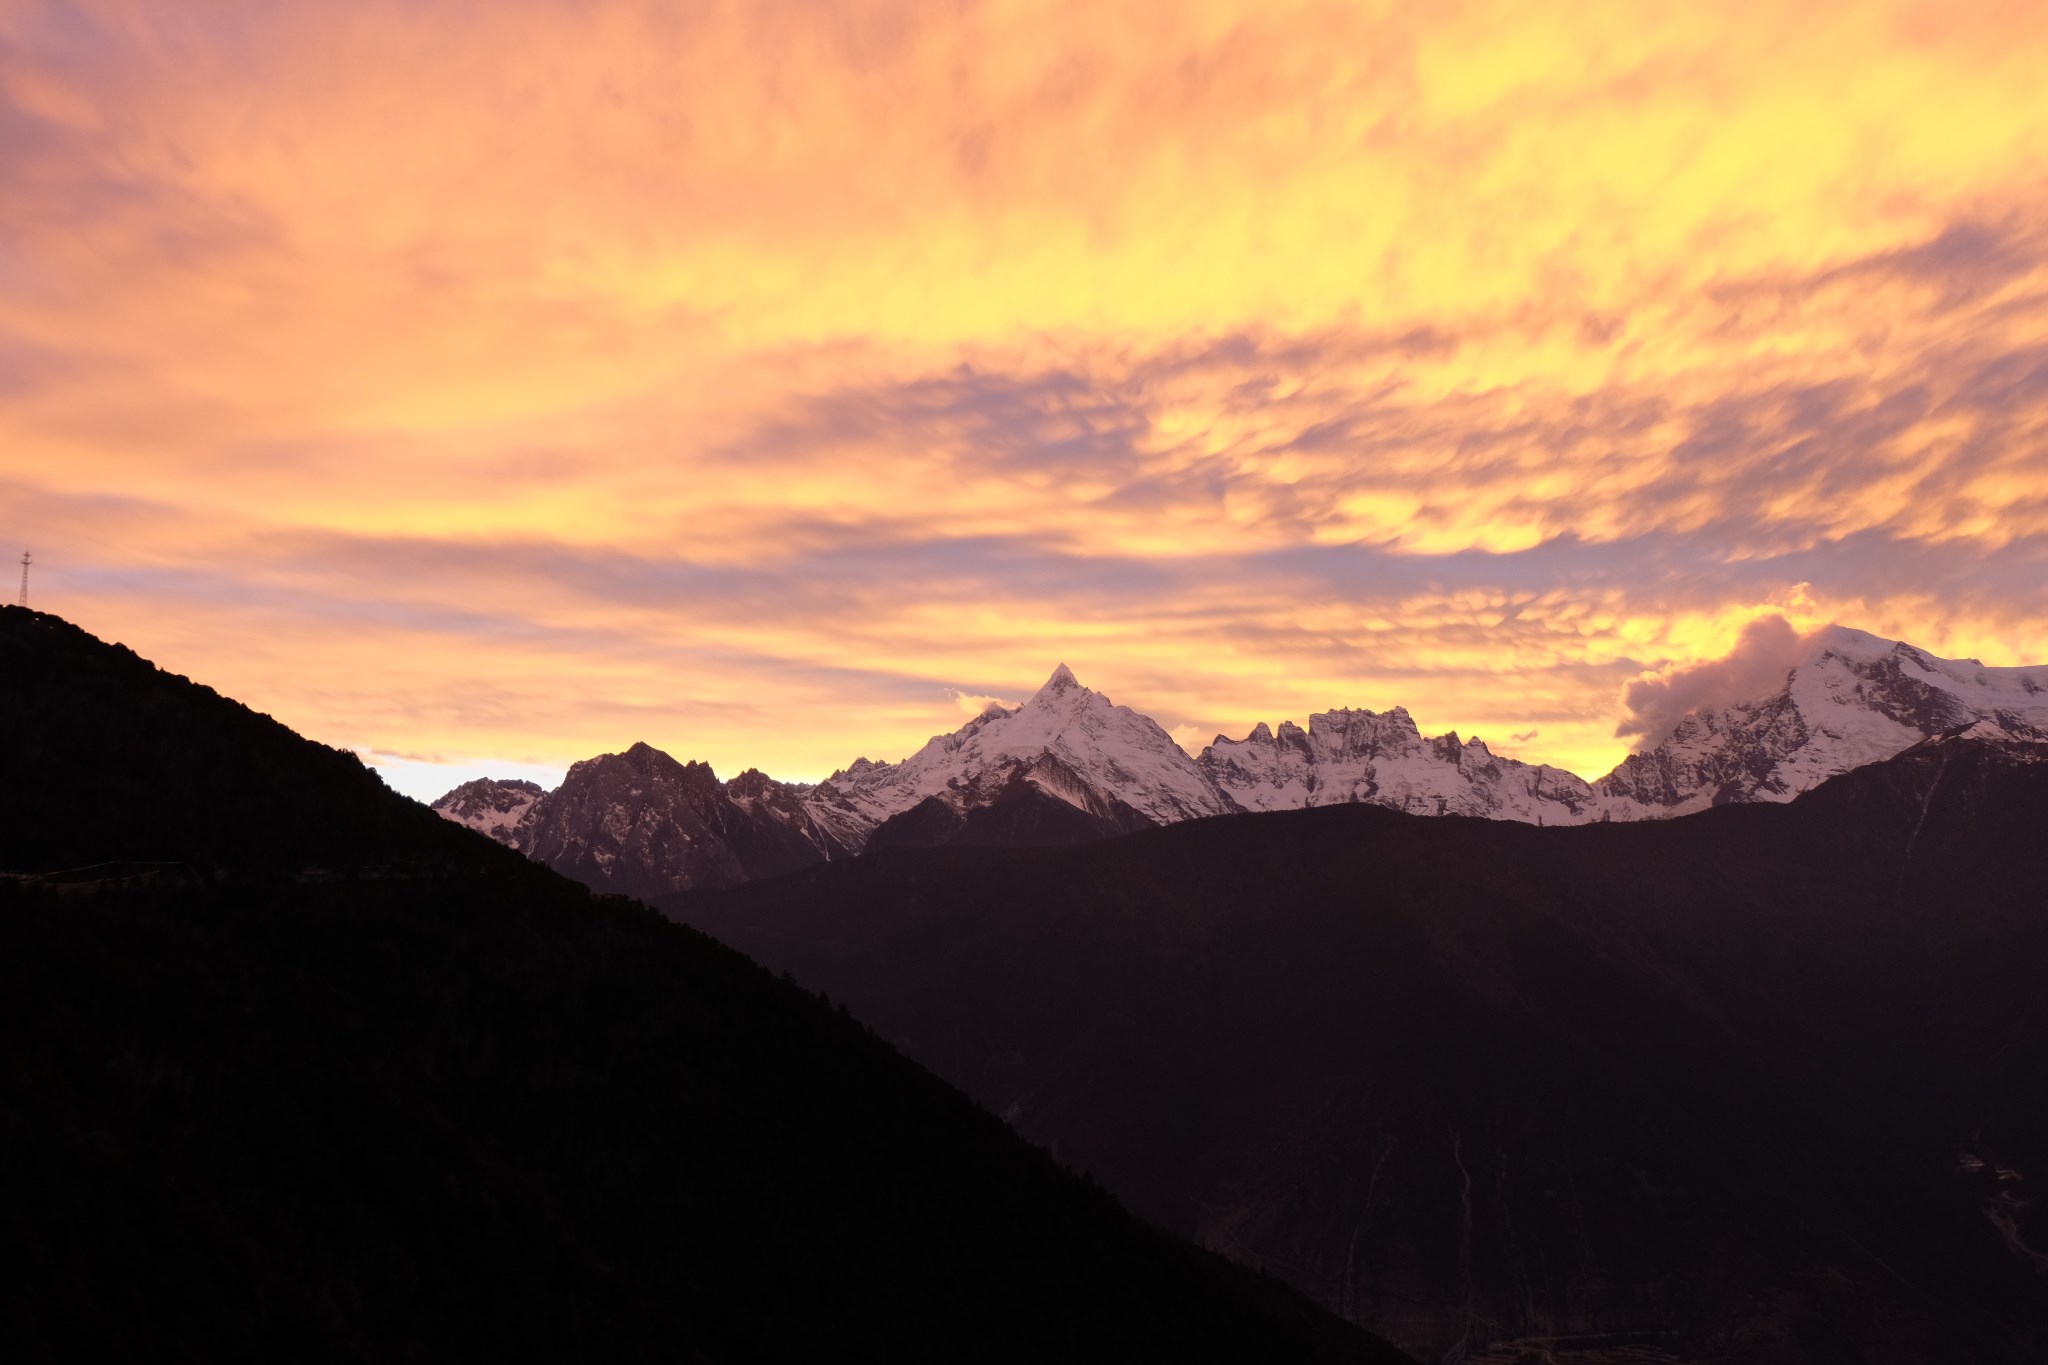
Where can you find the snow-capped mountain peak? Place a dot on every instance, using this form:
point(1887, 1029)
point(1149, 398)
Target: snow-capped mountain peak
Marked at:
point(1069, 763)
point(1103, 755)
point(1853, 698)
point(1382, 758)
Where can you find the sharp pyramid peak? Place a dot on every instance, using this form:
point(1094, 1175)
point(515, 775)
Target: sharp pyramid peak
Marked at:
point(1062, 680)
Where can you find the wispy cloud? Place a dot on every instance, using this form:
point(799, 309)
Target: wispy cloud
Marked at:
point(761, 379)
point(1764, 655)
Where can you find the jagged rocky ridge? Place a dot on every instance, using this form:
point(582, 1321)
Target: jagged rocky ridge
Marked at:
point(1382, 759)
point(1854, 699)
point(491, 805)
point(1069, 765)
point(1065, 767)
point(640, 823)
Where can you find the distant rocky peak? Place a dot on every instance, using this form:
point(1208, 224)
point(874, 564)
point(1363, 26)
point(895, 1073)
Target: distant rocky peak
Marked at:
point(756, 790)
point(1853, 699)
point(1382, 758)
point(1062, 695)
point(1353, 732)
point(498, 792)
point(1068, 740)
point(643, 765)
point(753, 784)
point(1061, 681)
point(645, 755)
point(1344, 730)
point(491, 806)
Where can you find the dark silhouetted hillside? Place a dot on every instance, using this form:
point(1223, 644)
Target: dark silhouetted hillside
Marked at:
point(431, 1102)
point(108, 757)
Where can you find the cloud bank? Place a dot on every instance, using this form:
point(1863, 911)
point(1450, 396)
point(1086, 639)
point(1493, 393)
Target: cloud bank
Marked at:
point(1768, 649)
point(757, 378)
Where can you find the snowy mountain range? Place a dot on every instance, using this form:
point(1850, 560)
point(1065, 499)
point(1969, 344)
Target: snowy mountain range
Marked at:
point(1382, 759)
point(1855, 699)
point(1069, 766)
point(1068, 744)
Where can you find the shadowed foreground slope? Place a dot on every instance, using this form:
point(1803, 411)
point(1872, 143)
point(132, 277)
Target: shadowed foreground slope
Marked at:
point(108, 757)
point(429, 1101)
point(1767, 1083)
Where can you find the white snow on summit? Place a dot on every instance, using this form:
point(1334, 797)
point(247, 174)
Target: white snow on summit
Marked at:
point(1850, 699)
point(490, 806)
point(1119, 753)
point(1382, 759)
point(1854, 699)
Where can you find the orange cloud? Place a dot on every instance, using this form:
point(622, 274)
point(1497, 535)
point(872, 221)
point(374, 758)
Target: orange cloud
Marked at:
point(756, 379)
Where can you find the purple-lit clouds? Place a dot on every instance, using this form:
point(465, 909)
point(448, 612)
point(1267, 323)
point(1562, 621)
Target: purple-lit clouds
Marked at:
point(773, 381)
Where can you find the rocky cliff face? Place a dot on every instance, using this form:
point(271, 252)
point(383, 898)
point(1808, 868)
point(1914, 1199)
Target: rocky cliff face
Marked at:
point(491, 806)
point(1382, 759)
point(785, 805)
point(642, 824)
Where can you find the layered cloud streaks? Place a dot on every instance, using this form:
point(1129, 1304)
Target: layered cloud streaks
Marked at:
point(759, 379)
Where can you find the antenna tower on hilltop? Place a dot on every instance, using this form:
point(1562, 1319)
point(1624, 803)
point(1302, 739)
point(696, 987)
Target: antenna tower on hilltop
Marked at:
point(25, 560)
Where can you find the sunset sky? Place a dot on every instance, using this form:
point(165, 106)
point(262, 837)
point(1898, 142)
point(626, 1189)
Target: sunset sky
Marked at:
point(484, 386)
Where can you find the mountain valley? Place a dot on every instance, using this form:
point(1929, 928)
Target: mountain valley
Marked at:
point(1754, 1082)
point(1732, 1086)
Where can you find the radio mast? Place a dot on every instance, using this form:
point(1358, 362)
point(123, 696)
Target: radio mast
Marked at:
point(25, 560)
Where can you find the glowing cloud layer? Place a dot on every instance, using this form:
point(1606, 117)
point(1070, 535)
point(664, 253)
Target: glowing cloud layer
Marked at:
point(773, 381)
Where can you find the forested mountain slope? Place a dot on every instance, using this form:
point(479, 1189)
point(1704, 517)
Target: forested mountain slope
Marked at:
point(313, 1074)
